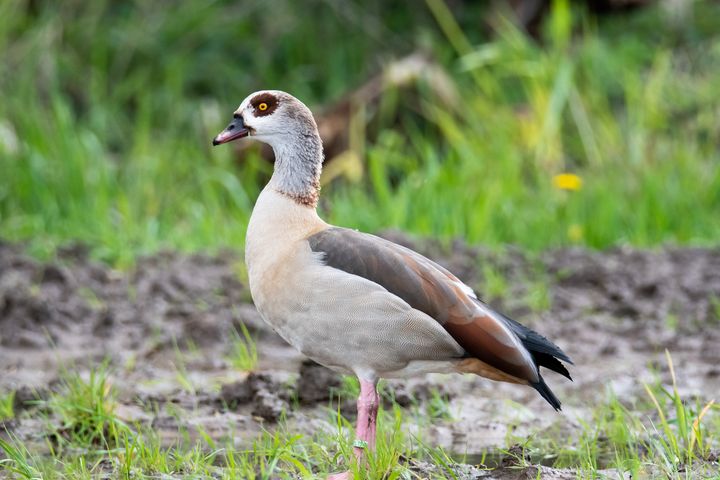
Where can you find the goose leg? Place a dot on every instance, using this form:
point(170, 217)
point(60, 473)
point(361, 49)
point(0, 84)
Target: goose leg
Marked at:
point(365, 432)
point(367, 406)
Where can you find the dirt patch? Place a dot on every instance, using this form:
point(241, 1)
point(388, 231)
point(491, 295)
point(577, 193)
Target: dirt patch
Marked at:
point(169, 319)
point(268, 397)
point(316, 383)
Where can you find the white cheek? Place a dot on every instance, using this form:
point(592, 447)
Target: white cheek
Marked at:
point(263, 125)
point(260, 127)
point(250, 120)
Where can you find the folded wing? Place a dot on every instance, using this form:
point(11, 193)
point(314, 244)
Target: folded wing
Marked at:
point(426, 286)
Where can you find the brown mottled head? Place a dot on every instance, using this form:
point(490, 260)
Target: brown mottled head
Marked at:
point(271, 116)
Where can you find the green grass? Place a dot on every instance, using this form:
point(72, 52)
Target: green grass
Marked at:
point(19, 461)
point(660, 434)
point(104, 137)
point(7, 406)
point(86, 438)
point(243, 349)
point(84, 412)
point(610, 112)
point(628, 441)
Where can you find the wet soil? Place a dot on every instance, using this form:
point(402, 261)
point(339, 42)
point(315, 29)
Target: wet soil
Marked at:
point(165, 329)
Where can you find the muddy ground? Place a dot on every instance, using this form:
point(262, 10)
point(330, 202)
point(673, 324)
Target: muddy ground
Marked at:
point(614, 313)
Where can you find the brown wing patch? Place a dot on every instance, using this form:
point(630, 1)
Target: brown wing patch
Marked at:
point(427, 287)
point(484, 338)
point(270, 100)
point(478, 367)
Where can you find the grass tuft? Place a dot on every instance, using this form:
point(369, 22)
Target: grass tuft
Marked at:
point(684, 436)
point(243, 349)
point(19, 460)
point(84, 409)
point(667, 435)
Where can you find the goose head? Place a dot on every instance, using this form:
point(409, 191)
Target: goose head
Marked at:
point(271, 116)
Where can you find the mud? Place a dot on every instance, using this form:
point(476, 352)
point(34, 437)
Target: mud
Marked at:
point(165, 329)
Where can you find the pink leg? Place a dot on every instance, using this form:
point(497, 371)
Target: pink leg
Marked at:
point(367, 406)
point(365, 433)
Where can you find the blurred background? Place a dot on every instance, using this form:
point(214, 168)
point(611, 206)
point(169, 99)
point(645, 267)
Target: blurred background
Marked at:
point(129, 347)
point(533, 122)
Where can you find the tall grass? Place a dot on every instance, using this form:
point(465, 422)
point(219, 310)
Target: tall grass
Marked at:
point(631, 118)
point(108, 110)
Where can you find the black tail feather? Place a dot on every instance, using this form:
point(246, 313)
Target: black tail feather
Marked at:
point(546, 393)
point(544, 353)
point(548, 361)
point(535, 342)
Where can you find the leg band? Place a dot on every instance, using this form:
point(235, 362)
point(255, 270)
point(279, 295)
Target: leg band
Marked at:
point(360, 444)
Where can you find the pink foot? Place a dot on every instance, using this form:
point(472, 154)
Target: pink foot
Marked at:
point(341, 476)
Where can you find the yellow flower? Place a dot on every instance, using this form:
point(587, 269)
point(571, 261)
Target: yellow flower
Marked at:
point(567, 181)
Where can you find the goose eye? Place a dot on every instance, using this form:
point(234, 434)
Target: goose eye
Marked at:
point(263, 106)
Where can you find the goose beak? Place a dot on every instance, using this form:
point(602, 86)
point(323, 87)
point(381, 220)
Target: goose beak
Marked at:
point(236, 129)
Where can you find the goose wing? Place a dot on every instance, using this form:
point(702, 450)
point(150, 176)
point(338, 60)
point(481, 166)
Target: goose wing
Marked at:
point(430, 288)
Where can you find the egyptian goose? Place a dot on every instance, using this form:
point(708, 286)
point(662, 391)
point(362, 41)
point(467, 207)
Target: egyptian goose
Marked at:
point(357, 303)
